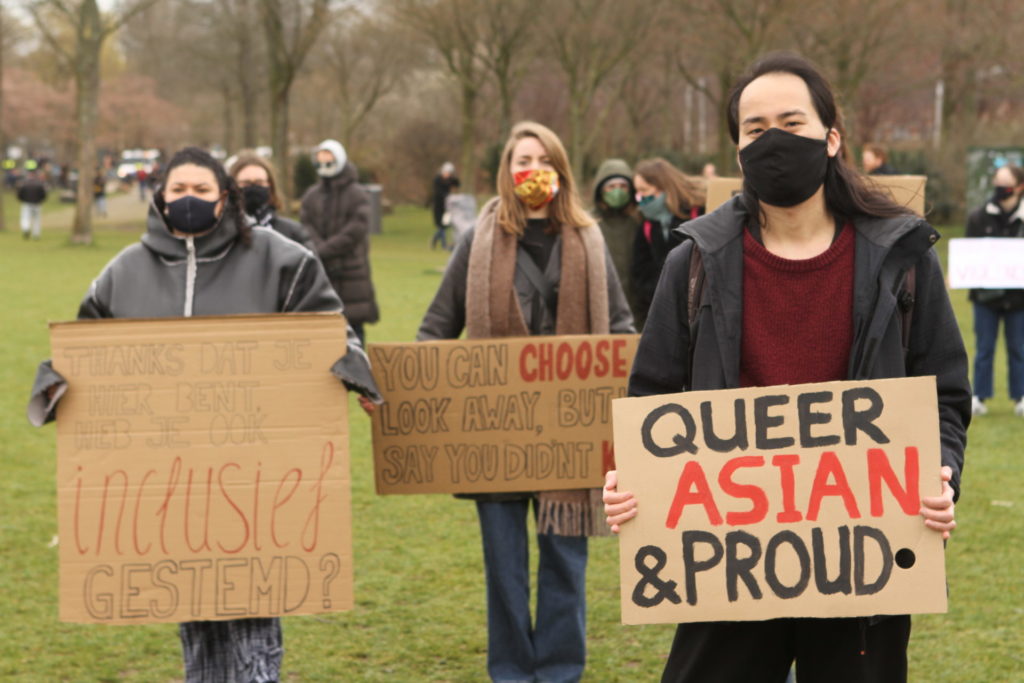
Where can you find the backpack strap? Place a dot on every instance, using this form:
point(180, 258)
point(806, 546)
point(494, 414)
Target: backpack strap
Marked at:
point(695, 290)
point(906, 300)
point(647, 231)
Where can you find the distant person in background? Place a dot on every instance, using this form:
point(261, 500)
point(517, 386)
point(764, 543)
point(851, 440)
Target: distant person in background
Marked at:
point(141, 177)
point(31, 194)
point(99, 193)
point(615, 209)
point(260, 200)
point(667, 198)
point(336, 211)
point(1001, 216)
point(709, 171)
point(444, 181)
point(875, 159)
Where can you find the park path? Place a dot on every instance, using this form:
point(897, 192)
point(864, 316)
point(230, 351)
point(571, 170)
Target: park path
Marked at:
point(124, 210)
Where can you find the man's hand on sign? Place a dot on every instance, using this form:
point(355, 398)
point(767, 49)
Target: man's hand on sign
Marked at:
point(937, 510)
point(367, 405)
point(619, 507)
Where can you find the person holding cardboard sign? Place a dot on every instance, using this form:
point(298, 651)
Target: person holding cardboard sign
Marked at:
point(803, 278)
point(200, 257)
point(535, 264)
point(1001, 216)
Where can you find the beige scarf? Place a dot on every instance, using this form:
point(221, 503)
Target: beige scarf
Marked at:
point(492, 310)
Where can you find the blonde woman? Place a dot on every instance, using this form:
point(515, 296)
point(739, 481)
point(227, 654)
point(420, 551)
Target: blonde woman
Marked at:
point(535, 264)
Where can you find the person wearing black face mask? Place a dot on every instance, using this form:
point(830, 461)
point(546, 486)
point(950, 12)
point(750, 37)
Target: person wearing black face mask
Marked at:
point(804, 278)
point(258, 182)
point(1001, 216)
point(199, 256)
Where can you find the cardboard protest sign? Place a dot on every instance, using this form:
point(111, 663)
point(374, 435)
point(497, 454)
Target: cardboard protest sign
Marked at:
point(986, 263)
point(721, 190)
point(791, 501)
point(202, 469)
point(513, 414)
point(907, 190)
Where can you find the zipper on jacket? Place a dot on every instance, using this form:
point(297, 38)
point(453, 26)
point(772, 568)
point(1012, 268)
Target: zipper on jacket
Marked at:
point(190, 275)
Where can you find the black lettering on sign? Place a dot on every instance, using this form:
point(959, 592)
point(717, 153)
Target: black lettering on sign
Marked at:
point(808, 418)
point(861, 585)
point(855, 420)
point(663, 590)
point(763, 422)
point(737, 567)
point(771, 575)
point(841, 584)
point(690, 562)
point(738, 440)
point(682, 442)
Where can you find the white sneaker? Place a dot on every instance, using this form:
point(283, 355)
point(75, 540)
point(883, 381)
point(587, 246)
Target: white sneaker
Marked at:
point(978, 407)
point(1018, 408)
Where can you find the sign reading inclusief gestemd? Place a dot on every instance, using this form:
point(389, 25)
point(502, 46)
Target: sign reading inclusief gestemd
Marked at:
point(202, 468)
point(515, 414)
point(788, 501)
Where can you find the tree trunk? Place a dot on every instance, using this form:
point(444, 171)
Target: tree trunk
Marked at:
point(468, 141)
point(576, 109)
point(229, 118)
point(279, 92)
point(87, 92)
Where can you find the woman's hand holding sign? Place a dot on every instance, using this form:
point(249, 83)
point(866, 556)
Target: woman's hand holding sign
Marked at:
point(618, 507)
point(936, 510)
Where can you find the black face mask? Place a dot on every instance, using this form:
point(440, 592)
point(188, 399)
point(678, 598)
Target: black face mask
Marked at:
point(784, 169)
point(256, 198)
point(191, 215)
point(1001, 193)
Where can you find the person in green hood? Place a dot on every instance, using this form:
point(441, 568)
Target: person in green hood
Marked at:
point(617, 215)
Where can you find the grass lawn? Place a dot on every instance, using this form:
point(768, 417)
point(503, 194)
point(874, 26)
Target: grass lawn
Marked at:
point(419, 612)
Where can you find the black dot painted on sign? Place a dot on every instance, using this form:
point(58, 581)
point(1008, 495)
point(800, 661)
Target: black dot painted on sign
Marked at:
point(905, 558)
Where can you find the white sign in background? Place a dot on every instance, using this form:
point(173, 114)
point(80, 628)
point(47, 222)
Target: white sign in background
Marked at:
point(986, 263)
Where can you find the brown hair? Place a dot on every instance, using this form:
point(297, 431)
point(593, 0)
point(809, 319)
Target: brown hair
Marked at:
point(1016, 171)
point(880, 152)
point(246, 159)
point(682, 192)
point(566, 208)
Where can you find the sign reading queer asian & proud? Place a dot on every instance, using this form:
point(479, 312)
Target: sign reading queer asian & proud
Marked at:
point(514, 414)
point(787, 501)
point(202, 468)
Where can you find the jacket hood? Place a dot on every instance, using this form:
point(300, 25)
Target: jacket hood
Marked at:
point(158, 237)
point(335, 148)
point(714, 230)
point(346, 176)
point(610, 168)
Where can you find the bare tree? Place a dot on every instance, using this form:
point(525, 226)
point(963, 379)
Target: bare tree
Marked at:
point(590, 40)
point(451, 27)
point(82, 59)
point(505, 30)
point(290, 30)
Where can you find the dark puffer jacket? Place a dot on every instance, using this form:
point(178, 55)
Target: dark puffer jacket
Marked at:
point(336, 212)
point(886, 248)
point(163, 276)
point(619, 226)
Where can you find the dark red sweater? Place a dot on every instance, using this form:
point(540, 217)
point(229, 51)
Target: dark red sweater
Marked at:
point(797, 315)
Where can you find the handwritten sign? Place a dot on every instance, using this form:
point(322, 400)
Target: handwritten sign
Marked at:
point(793, 501)
point(986, 263)
point(518, 414)
point(202, 469)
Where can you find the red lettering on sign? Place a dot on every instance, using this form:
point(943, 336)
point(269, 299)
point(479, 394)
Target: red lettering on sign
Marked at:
point(829, 467)
point(692, 477)
point(879, 470)
point(755, 494)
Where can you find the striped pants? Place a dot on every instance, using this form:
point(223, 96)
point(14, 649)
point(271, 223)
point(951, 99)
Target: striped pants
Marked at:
point(236, 651)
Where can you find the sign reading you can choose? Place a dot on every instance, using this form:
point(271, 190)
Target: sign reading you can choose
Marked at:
point(789, 501)
point(516, 414)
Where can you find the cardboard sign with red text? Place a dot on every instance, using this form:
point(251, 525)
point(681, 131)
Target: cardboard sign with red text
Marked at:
point(989, 263)
point(202, 469)
point(512, 414)
point(788, 501)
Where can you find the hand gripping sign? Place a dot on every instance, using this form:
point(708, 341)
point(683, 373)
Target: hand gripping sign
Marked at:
point(202, 468)
point(788, 501)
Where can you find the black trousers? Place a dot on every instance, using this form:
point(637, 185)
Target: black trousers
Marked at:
point(825, 650)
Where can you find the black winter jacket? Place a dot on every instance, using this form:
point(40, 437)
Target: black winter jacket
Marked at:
point(989, 221)
point(885, 249)
point(650, 249)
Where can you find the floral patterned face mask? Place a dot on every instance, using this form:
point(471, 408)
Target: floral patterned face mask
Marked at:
point(536, 187)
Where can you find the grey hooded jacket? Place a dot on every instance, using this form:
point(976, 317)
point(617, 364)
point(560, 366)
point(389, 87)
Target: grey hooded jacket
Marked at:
point(164, 276)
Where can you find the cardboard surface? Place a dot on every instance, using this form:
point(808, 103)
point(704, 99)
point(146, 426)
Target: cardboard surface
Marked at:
point(720, 190)
point(904, 189)
point(515, 414)
point(202, 469)
point(795, 501)
point(986, 263)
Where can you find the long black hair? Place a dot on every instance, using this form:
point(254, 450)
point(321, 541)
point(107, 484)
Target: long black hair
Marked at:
point(233, 202)
point(847, 195)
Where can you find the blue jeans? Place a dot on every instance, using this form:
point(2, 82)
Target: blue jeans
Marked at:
point(554, 649)
point(986, 331)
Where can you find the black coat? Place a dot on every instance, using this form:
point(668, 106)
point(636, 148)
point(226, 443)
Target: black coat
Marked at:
point(885, 249)
point(32, 191)
point(650, 249)
point(990, 221)
point(442, 187)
